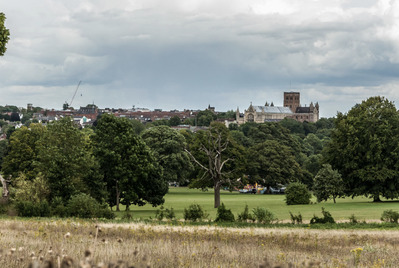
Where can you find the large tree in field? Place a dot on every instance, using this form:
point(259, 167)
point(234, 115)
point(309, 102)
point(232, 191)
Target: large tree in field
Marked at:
point(23, 151)
point(328, 184)
point(364, 148)
point(271, 163)
point(63, 159)
point(4, 35)
point(220, 158)
point(127, 164)
point(168, 147)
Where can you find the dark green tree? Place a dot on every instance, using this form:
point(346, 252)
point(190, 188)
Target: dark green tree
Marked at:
point(204, 118)
point(129, 169)
point(23, 151)
point(4, 35)
point(271, 163)
point(328, 184)
point(63, 158)
point(364, 149)
point(174, 121)
point(168, 147)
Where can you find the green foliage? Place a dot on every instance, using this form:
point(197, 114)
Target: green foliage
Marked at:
point(194, 212)
point(63, 158)
point(363, 149)
point(271, 163)
point(174, 121)
point(327, 218)
point(85, 206)
point(168, 146)
point(23, 151)
point(4, 35)
point(262, 215)
point(129, 169)
point(296, 219)
point(162, 213)
point(35, 191)
point(328, 184)
point(27, 208)
point(297, 193)
point(224, 214)
point(245, 215)
point(204, 118)
point(353, 219)
point(58, 208)
point(390, 216)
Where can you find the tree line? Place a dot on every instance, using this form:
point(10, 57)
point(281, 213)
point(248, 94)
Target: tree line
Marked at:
point(119, 161)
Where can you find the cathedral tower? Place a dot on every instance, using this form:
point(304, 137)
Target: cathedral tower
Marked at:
point(292, 100)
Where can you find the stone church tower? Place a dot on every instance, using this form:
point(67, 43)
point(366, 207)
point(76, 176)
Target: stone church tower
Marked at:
point(292, 100)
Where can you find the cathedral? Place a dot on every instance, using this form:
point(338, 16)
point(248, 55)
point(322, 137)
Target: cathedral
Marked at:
point(269, 113)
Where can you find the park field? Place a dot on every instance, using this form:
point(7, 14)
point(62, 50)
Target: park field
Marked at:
point(179, 198)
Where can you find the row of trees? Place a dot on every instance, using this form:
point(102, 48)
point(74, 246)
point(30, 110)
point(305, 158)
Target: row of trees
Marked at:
point(121, 162)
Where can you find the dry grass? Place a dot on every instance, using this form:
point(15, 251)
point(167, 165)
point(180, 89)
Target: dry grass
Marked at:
point(145, 245)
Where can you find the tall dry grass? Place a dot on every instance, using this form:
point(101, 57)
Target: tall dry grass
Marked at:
point(85, 244)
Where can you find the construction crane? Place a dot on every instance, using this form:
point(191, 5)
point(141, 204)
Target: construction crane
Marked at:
point(73, 97)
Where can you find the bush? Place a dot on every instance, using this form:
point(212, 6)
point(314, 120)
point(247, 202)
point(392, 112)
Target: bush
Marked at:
point(167, 213)
point(297, 194)
point(327, 218)
point(58, 208)
point(194, 213)
point(296, 219)
point(85, 206)
point(31, 209)
point(224, 214)
point(245, 215)
point(263, 215)
point(390, 216)
point(353, 219)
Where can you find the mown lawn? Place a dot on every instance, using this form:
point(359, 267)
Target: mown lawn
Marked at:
point(180, 198)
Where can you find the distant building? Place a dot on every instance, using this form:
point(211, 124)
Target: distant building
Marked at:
point(269, 113)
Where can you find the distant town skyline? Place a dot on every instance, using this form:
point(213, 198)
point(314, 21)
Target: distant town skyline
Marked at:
point(191, 54)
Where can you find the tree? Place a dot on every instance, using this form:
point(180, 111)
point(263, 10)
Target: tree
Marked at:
point(174, 121)
point(271, 163)
point(23, 152)
point(328, 184)
point(4, 35)
point(364, 149)
point(204, 118)
point(168, 147)
point(219, 157)
point(63, 159)
point(129, 169)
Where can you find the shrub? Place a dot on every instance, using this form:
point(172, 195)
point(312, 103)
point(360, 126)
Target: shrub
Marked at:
point(353, 219)
point(390, 216)
point(58, 208)
point(296, 218)
point(194, 213)
point(327, 218)
point(224, 214)
point(85, 206)
point(127, 216)
point(245, 215)
point(164, 213)
point(263, 215)
point(297, 193)
point(31, 209)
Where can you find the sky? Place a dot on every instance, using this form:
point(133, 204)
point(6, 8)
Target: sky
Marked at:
point(188, 54)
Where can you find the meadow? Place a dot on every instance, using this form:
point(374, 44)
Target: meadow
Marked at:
point(179, 198)
point(66, 243)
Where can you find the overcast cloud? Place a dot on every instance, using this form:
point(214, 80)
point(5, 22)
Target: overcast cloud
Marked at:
point(179, 54)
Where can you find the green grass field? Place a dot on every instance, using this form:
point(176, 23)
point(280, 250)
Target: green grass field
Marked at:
point(180, 198)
